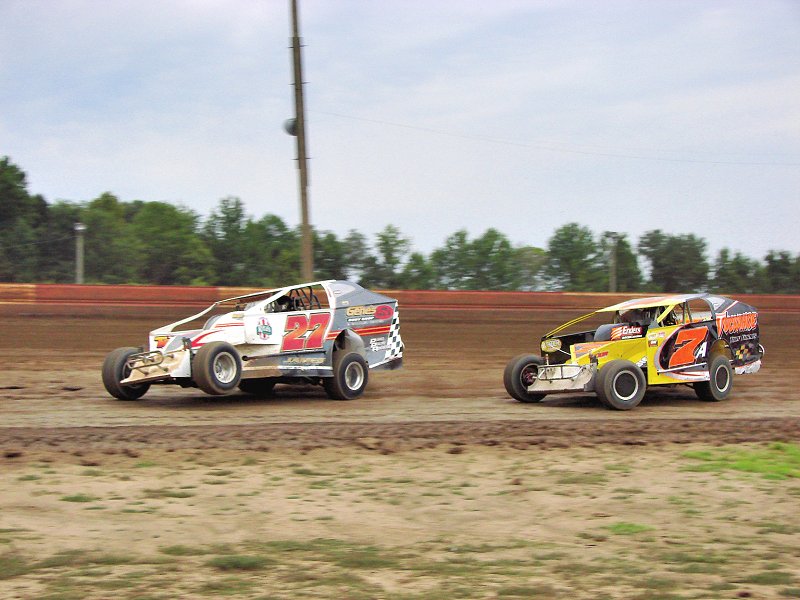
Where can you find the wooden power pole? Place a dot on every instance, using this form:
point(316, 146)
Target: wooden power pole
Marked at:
point(298, 129)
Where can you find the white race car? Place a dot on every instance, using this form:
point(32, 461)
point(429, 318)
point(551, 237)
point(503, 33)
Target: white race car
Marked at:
point(327, 332)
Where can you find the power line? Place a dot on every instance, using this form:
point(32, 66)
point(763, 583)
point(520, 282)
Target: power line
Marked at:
point(566, 150)
point(26, 244)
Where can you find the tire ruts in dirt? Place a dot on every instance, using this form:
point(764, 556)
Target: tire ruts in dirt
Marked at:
point(401, 436)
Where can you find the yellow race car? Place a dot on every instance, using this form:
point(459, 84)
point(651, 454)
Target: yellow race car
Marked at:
point(695, 339)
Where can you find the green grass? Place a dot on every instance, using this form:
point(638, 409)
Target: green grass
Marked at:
point(778, 460)
point(239, 562)
point(625, 528)
point(12, 565)
point(79, 498)
point(771, 578)
point(180, 550)
point(166, 493)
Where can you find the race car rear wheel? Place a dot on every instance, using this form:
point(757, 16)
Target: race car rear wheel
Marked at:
point(350, 376)
point(261, 386)
point(115, 369)
point(620, 385)
point(720, 382)
point(519, 374)
point(217, 368)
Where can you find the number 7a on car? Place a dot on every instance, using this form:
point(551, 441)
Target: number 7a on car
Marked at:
point(330, 333)
point(695, 339)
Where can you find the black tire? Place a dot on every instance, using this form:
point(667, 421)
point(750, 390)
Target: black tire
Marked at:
point(620, 385)
point(217, 368)
point(115, 369)
point(720, 384)
point(519, 374)
point(263, 386)
point(350, 376)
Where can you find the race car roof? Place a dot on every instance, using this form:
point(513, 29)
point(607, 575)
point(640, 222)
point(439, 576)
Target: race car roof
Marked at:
point(652, 301)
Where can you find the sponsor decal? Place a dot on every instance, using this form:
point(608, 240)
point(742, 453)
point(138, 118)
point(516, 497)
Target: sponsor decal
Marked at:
point(161, 340)
point(743, 338)
point(653, 339)
point(367, 313)
point(600, 354)
point(551, 345)
point(384, 311)
point(304, 360)
point(737, 323)
point(625, 332)
point(378, 344)
point(263, 329)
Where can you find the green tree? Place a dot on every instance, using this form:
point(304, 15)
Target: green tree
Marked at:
point(418, 274)
point(271, 252)
point(493, 262)
point(329, 256)
point(781, 273)
point(111, 249)
point(619, 255)
point(384, 270)
point(575, 262)
point(57, 263)
point(451, 263)
point(170, 249)
point(735, 274)
point(357, 255)
point(224, 234)
point(677, 262)
point(22, 218)
point(530, 263)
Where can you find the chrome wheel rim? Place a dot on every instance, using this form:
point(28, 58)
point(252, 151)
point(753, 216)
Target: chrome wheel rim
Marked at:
point(224, 367)
point(354, 376)
point(625, 385)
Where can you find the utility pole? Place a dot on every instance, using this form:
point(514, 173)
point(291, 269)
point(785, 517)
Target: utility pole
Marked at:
point(612, 261)
point(80, 228)
point(298, 129)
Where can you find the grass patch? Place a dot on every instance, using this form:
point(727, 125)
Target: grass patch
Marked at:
point(778, 460)
point(770, 578)
point(527, 591)
point(240, 562)
point(582, 478)
point(625, 528)
point(782, 528)
point(79, 498)
point(180, 550)
point(12, 565)
point(167, 493)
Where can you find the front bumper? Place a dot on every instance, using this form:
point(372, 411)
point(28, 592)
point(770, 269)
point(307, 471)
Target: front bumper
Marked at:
point(564, 378)
point(157, 366)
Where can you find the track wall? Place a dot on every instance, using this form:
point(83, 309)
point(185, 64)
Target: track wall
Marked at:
point(149, 300)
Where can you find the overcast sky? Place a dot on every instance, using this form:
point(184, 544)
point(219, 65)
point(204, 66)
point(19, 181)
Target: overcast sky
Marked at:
point(434, 115)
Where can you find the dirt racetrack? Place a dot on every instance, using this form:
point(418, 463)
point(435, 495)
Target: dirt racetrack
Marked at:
point(449, 392)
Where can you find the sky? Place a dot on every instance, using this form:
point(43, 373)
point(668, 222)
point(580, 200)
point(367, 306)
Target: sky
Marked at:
point(432, 115)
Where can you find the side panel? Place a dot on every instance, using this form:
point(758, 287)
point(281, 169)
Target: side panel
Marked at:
point(679, 353)
point(378, 325)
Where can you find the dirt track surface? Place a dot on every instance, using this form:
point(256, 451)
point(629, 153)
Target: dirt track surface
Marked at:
point(450, 392)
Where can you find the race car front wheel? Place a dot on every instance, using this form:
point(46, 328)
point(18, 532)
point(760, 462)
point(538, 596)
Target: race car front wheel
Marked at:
point(350, 376)
point(519, 374)
point(217, 368)
point(720, 382)
point(620, 384)
point(115, 369)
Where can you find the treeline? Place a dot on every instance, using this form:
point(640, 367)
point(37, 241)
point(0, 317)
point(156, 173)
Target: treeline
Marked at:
point(164, 244)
